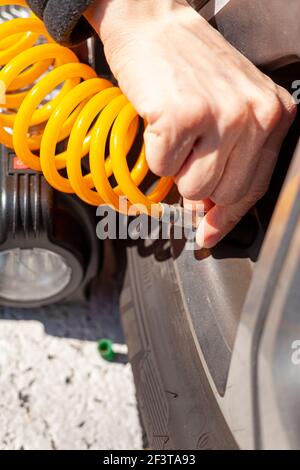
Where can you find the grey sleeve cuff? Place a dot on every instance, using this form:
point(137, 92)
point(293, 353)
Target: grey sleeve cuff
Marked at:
point(64, 19)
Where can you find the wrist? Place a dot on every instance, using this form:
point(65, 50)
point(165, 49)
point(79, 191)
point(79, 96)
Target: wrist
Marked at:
point(112, 16)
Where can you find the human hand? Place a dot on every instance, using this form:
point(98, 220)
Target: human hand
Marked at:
point(215, 122)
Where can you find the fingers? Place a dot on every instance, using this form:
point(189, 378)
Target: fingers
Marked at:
point(240, 169)
point(210, 113)
point(206, 204)
point(289, 105)
point(205, 165)
point(202, 170)
point(222, 168)
point(218, 222)
point(171, 136)
point(221, 219)
point(226, 173)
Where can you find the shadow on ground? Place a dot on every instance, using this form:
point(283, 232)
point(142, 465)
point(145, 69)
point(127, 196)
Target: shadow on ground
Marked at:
point(91, 321)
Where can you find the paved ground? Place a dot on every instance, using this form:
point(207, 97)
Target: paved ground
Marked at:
point(55, 390)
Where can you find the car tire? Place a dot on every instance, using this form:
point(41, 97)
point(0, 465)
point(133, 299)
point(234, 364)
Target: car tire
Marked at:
point(176, 403)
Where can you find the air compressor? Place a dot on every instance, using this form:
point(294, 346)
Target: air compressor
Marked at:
point(49, 251)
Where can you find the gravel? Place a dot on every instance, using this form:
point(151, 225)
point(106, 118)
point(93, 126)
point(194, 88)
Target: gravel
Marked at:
point(56, 392)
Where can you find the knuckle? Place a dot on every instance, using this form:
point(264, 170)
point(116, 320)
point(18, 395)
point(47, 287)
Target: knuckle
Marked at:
point(231, 190)
point(168, 140)
point(191, 190)
point(291, 111)
point(189, 119)
point(187, 116)
point(269, 111)
point(289, 105)
point(187, 191)
point(255, 195)
point(160, 166)
point(237, 114)
point(157, 143)
point(200, 181)
point(227, 197)
point(151, 111)
point(234, 217)
point(199, 111)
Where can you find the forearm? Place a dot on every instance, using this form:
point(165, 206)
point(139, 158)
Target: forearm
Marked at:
point(66, 19)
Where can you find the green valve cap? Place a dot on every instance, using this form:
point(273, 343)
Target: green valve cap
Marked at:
point(105, 347)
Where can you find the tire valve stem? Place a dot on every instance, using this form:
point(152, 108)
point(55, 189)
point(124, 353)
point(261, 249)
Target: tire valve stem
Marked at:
point(181, 217)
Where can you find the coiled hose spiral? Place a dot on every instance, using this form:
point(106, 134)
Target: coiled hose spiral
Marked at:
point(86, 111)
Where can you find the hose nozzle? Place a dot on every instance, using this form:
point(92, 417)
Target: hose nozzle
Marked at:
point(180, 216)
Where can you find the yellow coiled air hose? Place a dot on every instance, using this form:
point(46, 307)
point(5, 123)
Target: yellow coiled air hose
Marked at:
point(87, 110)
